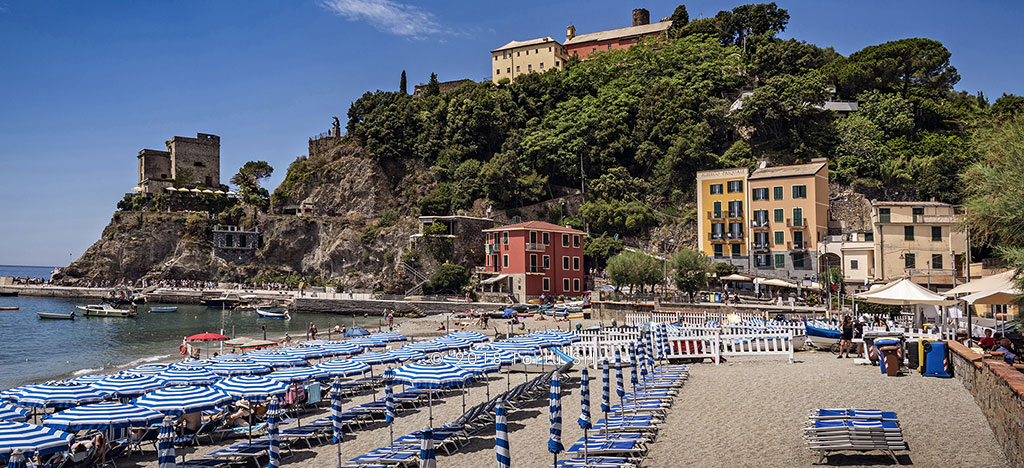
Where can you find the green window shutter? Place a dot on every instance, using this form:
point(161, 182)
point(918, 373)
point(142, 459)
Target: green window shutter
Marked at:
point(780, 238)
point(779, 215)
point(778, 192)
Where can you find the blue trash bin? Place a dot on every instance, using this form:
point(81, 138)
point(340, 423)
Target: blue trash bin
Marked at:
point(935, 359)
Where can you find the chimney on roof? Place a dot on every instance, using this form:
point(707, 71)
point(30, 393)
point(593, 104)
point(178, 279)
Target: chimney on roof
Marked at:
point(641, 17)
point(570, 32)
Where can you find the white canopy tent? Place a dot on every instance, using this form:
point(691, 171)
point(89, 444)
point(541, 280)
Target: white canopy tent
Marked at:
point(996, 282)
point(907, 293)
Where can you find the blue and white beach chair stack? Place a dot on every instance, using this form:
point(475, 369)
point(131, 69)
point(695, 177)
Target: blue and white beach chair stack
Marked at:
point(835, 430)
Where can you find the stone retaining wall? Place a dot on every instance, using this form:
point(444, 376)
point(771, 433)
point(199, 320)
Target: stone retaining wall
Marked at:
point(998, 389)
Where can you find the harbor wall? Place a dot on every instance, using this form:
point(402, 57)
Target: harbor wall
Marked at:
point(998, 389)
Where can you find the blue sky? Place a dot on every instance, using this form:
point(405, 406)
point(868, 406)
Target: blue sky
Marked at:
point(85, 85)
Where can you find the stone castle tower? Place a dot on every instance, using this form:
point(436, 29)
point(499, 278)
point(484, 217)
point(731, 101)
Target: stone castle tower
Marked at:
point(192, 162)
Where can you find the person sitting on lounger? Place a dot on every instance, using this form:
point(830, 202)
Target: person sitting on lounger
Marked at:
point(241, 415)
point(188, 423)
point(987, 342)
point(1006, 347)
point(98, 446)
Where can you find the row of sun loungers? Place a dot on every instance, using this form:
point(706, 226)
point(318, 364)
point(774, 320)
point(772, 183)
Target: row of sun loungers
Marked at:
point(833, 430)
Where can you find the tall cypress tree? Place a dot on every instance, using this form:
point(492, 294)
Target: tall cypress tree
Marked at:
point(433, 87)
point(402, 85)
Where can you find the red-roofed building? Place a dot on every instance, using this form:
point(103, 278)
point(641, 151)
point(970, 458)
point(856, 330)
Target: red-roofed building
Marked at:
point(534, 258)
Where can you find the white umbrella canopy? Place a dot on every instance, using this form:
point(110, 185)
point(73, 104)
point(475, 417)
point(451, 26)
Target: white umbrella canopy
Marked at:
point(904, 292)
point(998, 281)
point(991, 297)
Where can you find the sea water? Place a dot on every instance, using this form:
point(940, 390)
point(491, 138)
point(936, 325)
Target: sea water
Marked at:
point(22, 271)
point(34, 349)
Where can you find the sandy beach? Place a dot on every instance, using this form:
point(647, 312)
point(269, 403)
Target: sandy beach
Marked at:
point(746, 412)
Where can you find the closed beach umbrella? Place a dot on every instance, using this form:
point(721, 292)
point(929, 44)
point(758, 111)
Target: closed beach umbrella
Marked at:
point(664, 341)
point(12, 413)
point(620, 387)
point(183, 400)
point(278, 360)
point(188, 377)
point(30, 438)
point(634, 364)
point(406, 354)
point(469, 335)
point(297, 374)
point(650, 349)
point(389, 403)
point(17, 460)
point(337, 424)
point(555, 416)
point(273, 417)
point(128, 385)
point(584, 419)
point(165, 444)
point(230, 368)
point(606, 400)
point(427, 456)
point(250, 387)
point(342, 368)
point(432, 377)
point(501, 447)
point(56, 395)
point(102, 416)
point(640, 352)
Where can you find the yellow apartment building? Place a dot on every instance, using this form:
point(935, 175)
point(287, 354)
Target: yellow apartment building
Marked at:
point(519, 57)
point(788, 217)
point(919, 240)
point(721, 201)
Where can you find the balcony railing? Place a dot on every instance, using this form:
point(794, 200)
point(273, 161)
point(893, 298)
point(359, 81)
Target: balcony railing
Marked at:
point(796, 223)
point(796, 246)
point(762, 246)
point(534, 246)
point(716, 215)
point(494, 246)
point(759, 223)
point(735, 214)
point(536, 269)
point(716, 236)
point(734, 236)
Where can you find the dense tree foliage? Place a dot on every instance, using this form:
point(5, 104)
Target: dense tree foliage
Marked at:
point(632, 268)
point(690, 271)
point(248, 181)
point(631, 127)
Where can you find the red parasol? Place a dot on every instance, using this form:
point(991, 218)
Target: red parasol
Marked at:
point(206, 337)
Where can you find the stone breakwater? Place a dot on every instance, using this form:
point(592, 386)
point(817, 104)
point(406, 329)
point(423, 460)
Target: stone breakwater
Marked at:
point(998, 388)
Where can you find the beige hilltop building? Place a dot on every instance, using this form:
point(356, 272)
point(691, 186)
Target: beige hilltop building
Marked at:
point(519, 57)
point(196, 159)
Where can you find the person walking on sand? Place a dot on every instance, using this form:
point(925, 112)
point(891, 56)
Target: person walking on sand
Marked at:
point(846, 338)
point(391, 321)
point(312, 330)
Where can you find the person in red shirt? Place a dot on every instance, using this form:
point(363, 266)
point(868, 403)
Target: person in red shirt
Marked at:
point(987, 342)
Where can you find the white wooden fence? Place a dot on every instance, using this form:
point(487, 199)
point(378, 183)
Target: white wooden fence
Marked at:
point(693, 343)
point(687, 318)
point(916, 334)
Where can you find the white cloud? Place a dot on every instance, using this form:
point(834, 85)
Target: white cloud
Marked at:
point(387, 16)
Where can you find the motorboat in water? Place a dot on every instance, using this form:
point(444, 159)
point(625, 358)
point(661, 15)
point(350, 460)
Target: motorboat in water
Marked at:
point(226, 301)
point(279, 313)
point(163, 309)
point(105, 310)
point(57, 315)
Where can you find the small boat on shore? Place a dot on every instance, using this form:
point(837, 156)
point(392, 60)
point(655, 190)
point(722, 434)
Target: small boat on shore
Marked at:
point(8, 308)
point(226, 301)
point(56, 315)
point(8, 293)
point(276, 313)
point(105, 310)
point(163, 309)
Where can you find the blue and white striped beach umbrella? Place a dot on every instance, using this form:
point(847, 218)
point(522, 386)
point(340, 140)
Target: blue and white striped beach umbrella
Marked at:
point(165, 444)
point(389, 337)
point(517, 349)
point(56, 395)
point(426, 347)
point(305, 352)
point(501, 447)
point(606, 400)
point(337, 423)
point(182, 399)
point(231, 357)
point(620, 387)
point(556, 339)
point(17, 460)
point(664, 341)
point(640, 356)
point(273, 419)
point(406, 355)
point(536, 342)
point(128, 385)
point(102, 416)
point(247, 367)
point(427, 375)
point(250, 387)
point(555, 415)
point(87, 379)
point(12, 413)
point(650, 348)
point(500, 356)
point(188, 377)
point(469, 335)
point(367, 343)
point(428, 458)
point(297, 374)
point(453, 344)
point(193, 364)
point(278, 360)
point(584, 418)
point(372, 358)
point(340, 348)
point(471, 364)
point(342, 368)
point(634, 364)
point(30, 439)
point(148, 369)
point(389, 397)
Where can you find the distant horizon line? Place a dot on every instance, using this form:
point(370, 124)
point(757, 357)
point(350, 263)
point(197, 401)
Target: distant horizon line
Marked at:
point(28, 266)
